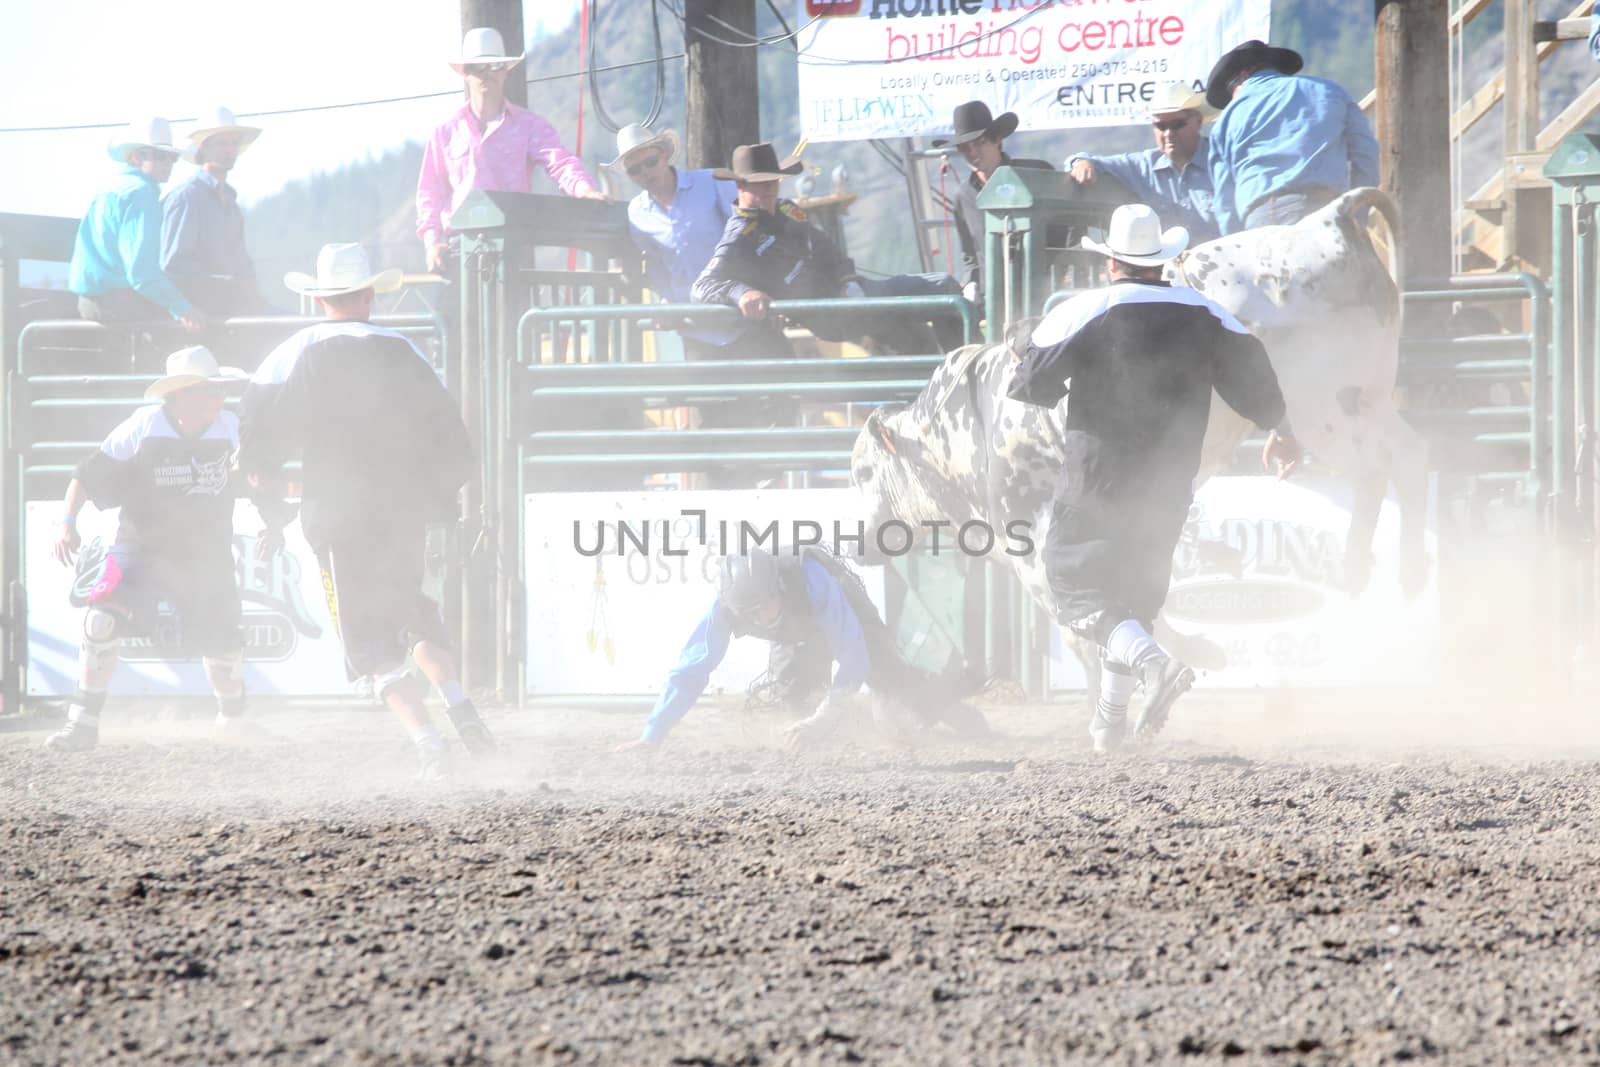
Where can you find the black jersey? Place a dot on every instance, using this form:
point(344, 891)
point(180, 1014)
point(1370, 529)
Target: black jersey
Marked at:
point(171, 489)
point(378, 436)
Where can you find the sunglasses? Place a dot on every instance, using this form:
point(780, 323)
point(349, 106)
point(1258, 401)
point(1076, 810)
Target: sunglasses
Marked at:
point(643, 165)
point(484, 69)
point(1170, 124)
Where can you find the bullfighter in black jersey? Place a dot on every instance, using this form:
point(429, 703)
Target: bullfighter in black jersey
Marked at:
point(1142, 358)
point(167, 468)
point(383, 452)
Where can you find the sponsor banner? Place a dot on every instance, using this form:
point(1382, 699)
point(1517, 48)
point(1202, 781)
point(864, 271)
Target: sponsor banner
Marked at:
point(617, 582)
point(290, 645)
point(1258, 574)
point(899, 68)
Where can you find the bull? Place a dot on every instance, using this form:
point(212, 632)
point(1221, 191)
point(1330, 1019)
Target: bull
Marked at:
point(1322, 299)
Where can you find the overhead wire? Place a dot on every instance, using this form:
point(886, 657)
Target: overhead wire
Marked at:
point(658, 98)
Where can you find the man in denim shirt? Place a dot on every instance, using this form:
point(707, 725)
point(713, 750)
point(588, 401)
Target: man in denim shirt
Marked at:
point(1285, 145)
point(202, 229)
point(1174, 177)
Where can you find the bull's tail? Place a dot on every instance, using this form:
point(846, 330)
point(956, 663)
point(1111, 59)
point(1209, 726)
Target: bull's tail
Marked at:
point(1386, 245)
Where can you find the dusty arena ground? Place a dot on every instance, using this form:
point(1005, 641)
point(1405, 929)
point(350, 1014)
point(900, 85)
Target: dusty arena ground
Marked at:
point(1275, 880)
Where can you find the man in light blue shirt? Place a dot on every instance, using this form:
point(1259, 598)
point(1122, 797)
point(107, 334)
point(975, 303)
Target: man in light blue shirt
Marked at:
point(116, 258)
point(1285, 145)
point(1174, 177)
point(676, 221)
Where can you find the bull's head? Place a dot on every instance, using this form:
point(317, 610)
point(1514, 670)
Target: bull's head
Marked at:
point(885, 468)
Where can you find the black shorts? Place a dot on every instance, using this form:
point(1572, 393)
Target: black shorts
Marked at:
point(1108, 551)
point(133, 578)
point(374, 588)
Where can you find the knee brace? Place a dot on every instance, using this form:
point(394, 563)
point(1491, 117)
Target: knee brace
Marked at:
point(382, 683)
point(226, 673)
point(99, 638)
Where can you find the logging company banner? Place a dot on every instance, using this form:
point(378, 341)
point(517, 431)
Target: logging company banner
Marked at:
point(899, 68)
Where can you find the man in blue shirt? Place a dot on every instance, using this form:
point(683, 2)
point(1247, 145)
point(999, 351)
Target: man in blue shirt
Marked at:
point(116, 258)
point(1285, 145)
point(1174, 177)
point(816, 612)
point(202, 231)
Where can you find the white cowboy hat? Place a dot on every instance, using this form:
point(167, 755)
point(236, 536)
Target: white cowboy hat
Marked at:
point(341, 269)
point(483, 47)
point(221, 120)
point(635, 138)
point(151, 131)
point(194, 365)
point(1180, 96)
point(1136, 237)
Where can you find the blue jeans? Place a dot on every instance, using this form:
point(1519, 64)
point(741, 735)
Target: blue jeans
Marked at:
point(904, 333)
point(1286, 209)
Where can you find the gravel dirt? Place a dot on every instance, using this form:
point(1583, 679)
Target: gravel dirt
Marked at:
point(1274, 880)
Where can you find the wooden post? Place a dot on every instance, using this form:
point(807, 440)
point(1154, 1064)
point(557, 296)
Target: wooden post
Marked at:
point(721, 81)
point(1521, 108)
point(1413, 128)
point(505, 16)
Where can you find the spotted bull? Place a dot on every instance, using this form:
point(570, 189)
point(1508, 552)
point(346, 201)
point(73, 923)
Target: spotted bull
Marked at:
point(1323, 302)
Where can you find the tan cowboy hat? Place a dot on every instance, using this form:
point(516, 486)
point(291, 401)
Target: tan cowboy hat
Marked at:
point(342, 268)
point(1136, 237)
point(636, 138)
point(194, 365)
point(150, 131)
point(483, 47)
point(221, 120)
point(1180, 96)
point(758, 163)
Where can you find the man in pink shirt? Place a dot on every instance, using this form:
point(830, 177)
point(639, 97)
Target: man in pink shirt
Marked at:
point(489, 144)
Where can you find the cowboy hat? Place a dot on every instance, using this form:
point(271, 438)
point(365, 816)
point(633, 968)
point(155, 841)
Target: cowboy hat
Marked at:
point(757, 163)
point(483, 47)
point(221, 120)
point(972, 120)
point(194, 365)
point(1251, 54)
point(342, 268)
point(1179, 96)
point(1136, 237)
point(635, 138)
point(151, 131)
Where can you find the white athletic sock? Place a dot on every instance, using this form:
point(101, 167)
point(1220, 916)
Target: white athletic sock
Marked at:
point(454, 695)
point(79, 713)
point(1116, 691)
point(427, 738)
point(1131, 644)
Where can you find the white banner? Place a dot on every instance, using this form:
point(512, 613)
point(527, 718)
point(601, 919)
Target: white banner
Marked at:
point(899, 68)
point(614, 622)
point(1259, 573)
point(291, 647)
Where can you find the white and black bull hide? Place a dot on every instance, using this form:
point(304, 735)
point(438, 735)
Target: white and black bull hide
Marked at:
point(1323, 302)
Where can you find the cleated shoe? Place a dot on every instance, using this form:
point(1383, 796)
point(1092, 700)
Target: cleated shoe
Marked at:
point(1165, 680)
point(78, 735)
point(435, 766)
point(474, 733)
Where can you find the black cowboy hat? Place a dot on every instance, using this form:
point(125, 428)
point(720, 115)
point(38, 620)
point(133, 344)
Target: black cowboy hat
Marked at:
point(1251, 54)
point(757, 163)
point(972, 121)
